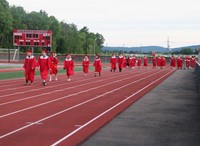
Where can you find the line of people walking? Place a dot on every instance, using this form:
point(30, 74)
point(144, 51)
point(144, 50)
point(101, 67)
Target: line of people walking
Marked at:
point(48, 65)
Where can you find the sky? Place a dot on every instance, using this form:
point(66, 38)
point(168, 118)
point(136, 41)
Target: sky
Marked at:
point(128, 23)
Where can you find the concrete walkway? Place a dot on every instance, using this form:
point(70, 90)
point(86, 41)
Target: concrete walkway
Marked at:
point(169, 115)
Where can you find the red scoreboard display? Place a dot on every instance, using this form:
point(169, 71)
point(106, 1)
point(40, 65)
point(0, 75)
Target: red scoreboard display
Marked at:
point(33, 38)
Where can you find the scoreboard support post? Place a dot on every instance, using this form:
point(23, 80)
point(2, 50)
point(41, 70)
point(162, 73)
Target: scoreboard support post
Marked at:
point(18, 54)
point(32, 50)
point(9, 55)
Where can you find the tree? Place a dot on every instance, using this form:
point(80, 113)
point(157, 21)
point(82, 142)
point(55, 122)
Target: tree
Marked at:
point(5, 23)
point(186, 51)
point(66, 37)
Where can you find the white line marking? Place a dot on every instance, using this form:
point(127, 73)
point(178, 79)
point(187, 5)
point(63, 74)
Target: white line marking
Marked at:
point(22, 99)
point(78, 125)
point(97, 117)
point(63, 75)
point(35, 123)
point(47, 87)
point(73, 107)
point(51, 101)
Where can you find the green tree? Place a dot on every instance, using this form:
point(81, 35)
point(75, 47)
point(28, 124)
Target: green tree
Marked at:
point(186, 51)
point(54, 25)
point(5, 23)
point(19, 17)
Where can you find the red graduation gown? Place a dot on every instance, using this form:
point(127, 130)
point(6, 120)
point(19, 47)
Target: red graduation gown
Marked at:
point(163, 62)
point(53, 65)
point(145, 61)
point(139, 62)
point(85, 64)
point(120, 62)
point(29, 66)
point(132, 62)
point(97, 65)
point(159, 61)
point(113, 61)
point(179, 63)
point(193, 62)
point(69, 66)
point(173, 62)
point(154, 61)
point(44, 63)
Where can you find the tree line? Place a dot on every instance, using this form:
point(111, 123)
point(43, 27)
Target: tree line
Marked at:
point(67, 38)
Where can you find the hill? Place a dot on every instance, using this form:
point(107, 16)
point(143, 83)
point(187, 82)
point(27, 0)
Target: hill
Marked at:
point(147, 49)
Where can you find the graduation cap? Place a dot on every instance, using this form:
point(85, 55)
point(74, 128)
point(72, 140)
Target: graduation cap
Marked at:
point(44, 50)
point(68, 55)
point(29, 51)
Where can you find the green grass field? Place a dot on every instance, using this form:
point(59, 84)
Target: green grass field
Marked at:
point(20, 74)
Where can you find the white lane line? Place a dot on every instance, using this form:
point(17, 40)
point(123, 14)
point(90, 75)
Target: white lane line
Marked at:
point(74, 94)
point(102, 114)
point(35, 82)
point(78, 125)
point(22, 99)
point(35, 123)
point(47, 87)
point(62, 75)
point(75, 106)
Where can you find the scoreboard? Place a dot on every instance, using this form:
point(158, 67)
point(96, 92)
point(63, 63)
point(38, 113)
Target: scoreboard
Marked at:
point(33, 38)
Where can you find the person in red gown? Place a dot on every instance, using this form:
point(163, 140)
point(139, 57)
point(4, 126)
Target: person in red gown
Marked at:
point(97, 65)
point(154, 61)
point(132, 61)
point(162, 62)
point(44, 64)
point(53, 66)
point(120, 62)
point(179, 62)
point(85, 64)
point(187, 62)
point(145, 62)
point(113, 61)
point(159, 61)
point(192, 62)
point(139, 62)
point(173, 62)
point(29, 67)
point(69, 66)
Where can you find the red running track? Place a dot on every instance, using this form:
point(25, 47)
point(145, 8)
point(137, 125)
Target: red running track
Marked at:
point(66, 113)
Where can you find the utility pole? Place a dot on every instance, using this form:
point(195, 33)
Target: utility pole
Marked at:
point(168, 44)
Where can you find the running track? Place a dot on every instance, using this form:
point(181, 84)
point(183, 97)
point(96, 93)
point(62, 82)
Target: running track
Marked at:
point(66, 113)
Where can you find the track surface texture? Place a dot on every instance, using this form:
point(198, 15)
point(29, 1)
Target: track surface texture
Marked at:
point(167, 116)
point(67, 113)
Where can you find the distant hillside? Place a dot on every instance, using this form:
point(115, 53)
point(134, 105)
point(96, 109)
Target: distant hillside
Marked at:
point(146, 49)
point(192, 47)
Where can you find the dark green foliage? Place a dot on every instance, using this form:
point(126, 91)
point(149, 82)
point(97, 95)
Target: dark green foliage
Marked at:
point(66, 37)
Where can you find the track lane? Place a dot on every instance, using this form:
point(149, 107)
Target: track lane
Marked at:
point(44, 100)
point(61, 82)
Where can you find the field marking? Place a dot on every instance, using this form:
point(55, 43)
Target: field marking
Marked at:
point(75, 106)
point(105, 112)
point(47, 87)
point(60, 90)
point(36, 77)
point(64, 97)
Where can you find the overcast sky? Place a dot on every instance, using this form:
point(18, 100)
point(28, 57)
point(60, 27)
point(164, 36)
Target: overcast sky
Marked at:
point(128, 22)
